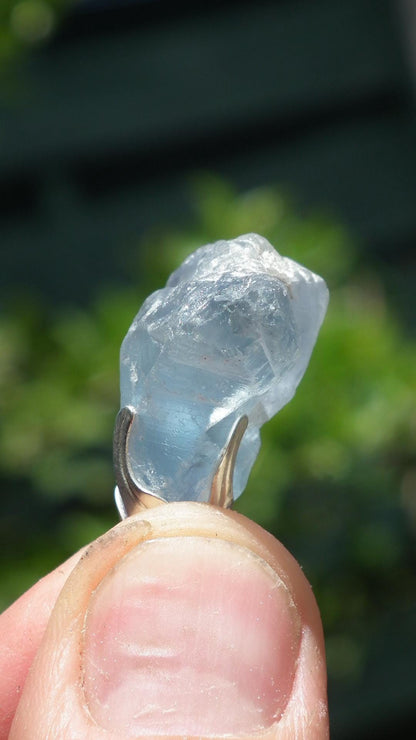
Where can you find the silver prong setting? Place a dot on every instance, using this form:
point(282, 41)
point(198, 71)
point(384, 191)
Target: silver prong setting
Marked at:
point(129, 497)
point(222, 482)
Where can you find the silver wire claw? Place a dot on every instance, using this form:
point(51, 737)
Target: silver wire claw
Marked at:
point(128, 495)
point(222, 482)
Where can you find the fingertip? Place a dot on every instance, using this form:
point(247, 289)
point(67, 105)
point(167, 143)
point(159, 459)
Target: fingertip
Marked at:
point(59, 669)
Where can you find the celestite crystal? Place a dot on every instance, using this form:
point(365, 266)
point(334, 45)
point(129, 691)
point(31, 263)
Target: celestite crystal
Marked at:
point(230, 334)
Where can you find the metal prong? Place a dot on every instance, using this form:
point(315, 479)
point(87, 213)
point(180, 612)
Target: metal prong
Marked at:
point(129, 497)
point(120, 504)
point(222, 482)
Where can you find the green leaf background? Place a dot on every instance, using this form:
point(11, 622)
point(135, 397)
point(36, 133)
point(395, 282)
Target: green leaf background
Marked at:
point(336, 476)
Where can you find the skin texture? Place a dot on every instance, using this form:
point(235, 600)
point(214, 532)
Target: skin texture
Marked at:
point(56, 642)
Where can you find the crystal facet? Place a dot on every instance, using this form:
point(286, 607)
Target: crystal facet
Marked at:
point(231, 334)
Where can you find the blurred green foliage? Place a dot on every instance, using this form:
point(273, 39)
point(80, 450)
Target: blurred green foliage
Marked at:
point(336, 476)
point(25, 24)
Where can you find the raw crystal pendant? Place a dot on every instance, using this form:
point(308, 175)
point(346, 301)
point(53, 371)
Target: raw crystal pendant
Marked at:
point(225, 342)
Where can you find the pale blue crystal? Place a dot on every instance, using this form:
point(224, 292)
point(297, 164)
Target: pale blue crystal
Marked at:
point(230, 334)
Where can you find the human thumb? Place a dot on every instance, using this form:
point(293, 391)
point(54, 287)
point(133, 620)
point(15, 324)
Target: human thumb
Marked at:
point(183, 621)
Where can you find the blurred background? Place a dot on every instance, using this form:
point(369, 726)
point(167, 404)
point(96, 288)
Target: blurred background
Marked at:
point(132, 132)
